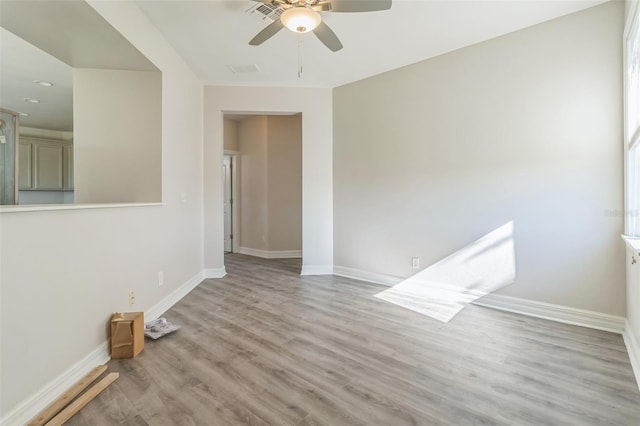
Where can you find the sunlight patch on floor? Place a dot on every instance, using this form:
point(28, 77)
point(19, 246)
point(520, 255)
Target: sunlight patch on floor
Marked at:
point(446, 287)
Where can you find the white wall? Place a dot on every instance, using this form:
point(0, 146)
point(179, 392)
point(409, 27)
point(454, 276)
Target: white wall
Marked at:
point(65, 272)
point(230, 135)
point(632, 334)
point(117, 150)
point(526, 127)
point(317, 196)
point(633, 307)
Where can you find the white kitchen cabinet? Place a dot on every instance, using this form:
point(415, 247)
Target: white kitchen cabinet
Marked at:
point(45, 164)
point(67, 166)
point(25, 171)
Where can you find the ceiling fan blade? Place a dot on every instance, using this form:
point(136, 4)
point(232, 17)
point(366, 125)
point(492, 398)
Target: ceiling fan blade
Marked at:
point(328, 37)
point(359, 5)
point(267, 33)
point(274, 2)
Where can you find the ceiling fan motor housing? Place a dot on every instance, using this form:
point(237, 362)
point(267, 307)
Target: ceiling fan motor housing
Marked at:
point(300, 19)
point(301, 16)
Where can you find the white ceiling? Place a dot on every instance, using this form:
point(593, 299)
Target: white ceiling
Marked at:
point(20, 64)
point(210, 35)
point(43, 40)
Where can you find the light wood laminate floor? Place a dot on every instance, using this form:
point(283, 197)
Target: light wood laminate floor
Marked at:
point(265, 345)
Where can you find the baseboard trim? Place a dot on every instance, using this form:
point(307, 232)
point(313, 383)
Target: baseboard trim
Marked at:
point(633, 349)
point(253, 252)
point(172, 298)
point(273, 254)
point(30, 407)
point(372, 277)
point(317, 270)
point(558, 313)
point(214, 273)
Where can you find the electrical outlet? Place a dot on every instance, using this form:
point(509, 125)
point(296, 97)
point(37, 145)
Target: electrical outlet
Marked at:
point(160, 278)
point(132, 297)
point(415, 262)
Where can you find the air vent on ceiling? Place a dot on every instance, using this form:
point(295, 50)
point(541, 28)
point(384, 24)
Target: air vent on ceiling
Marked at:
point(266, 10)
point(244, 69)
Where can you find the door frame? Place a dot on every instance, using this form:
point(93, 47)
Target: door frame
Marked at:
point(235, 204)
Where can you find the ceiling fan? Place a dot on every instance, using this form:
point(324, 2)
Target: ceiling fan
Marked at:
point(302, 16)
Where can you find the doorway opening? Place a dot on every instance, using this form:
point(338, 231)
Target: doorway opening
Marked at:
point(262, 184)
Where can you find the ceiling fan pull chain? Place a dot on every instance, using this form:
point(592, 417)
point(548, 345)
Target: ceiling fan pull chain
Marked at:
point(299, 56)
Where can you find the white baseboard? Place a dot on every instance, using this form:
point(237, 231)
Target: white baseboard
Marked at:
point(559, 313)
point(214, 273)
point(30, 407)
point(317, 270)
point(633, 349)
point(273, 254)
point(172, 298)
point(253, 252)
point(372, 277)
point(285, 254)
point(516, 305)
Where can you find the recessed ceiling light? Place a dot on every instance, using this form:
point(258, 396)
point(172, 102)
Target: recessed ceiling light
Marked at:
point(43, 83)
point(31, 100)
point(23, 114)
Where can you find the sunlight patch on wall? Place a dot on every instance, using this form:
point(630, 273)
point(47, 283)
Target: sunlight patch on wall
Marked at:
point(446, 287)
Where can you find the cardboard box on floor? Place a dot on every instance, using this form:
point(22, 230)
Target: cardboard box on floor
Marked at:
point(127, 334)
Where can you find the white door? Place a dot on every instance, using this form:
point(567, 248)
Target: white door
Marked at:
point(228, 203)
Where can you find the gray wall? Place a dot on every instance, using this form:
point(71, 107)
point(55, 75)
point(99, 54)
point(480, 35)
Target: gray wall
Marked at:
point(526, 127)
point(271, 182)
point(254, 190)
point(285, 182)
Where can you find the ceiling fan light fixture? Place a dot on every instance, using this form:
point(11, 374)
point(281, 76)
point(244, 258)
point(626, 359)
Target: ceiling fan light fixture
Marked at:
point(300, 19)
